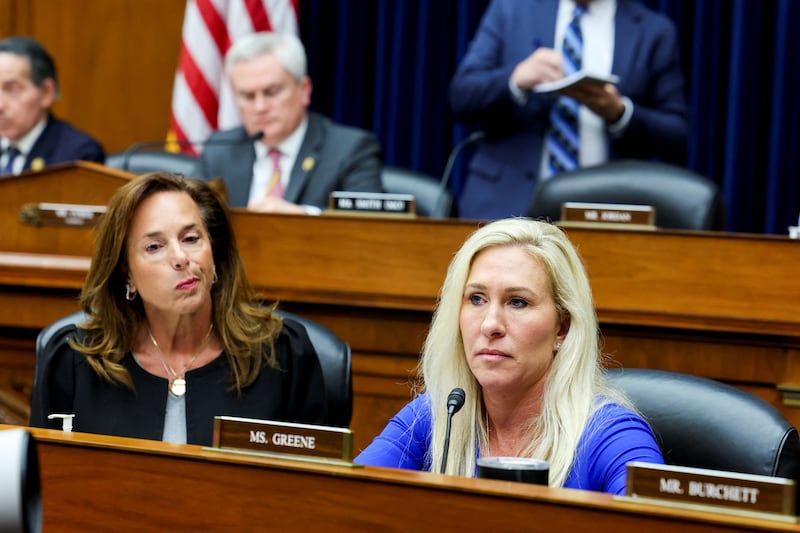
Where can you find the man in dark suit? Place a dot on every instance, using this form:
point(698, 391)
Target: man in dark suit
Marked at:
point(284, 158)
point(519, 46)
point(30, 136)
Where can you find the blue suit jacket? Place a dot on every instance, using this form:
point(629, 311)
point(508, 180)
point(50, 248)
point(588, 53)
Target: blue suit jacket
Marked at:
point(332, 157)
point(505, 168)
point(62, 143)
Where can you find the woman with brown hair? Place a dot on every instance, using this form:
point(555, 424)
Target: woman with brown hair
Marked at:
point(175, 334)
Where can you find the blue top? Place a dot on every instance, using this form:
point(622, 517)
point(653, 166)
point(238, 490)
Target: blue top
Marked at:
point(613, 437)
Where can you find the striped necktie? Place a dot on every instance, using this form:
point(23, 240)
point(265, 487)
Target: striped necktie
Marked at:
point(563, 141)
point(11, 155)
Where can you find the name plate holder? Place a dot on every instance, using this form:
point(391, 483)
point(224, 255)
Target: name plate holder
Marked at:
point(372, 203)
point(61, 215)
point(757, 496)
point(613, 216)
point(306, 442)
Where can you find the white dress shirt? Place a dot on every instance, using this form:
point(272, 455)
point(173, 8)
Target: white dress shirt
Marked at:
point(262, 167)
point(597, 28)
point(24, 145)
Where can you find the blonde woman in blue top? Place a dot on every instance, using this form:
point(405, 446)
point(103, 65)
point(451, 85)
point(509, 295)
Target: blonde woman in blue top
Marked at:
point(516, 329)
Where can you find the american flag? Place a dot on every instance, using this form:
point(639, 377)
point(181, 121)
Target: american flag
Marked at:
point(202, 99)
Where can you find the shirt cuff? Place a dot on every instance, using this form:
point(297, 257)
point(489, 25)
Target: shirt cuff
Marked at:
point(519, 96)
point(618, 128)
point(312, 210)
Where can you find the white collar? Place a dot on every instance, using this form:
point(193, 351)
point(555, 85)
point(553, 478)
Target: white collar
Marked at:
point(25, 144)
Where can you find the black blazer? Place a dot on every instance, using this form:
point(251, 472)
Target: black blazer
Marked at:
point(293, 393)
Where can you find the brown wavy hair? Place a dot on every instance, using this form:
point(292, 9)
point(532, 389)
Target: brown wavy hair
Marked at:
point(247, 329)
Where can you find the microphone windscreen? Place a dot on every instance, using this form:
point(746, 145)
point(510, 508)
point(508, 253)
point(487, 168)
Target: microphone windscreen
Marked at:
point(455, 400)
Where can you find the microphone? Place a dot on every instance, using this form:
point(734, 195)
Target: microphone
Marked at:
point(142, 145)
point(475, 137)
point(455, 401)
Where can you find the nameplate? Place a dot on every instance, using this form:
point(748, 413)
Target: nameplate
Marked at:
point(610, 215)
point(283, 438)
point(715, 488)
point(69, 215)
point(342, 202)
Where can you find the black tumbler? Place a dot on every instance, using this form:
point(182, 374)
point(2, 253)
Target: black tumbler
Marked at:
point(522, 469)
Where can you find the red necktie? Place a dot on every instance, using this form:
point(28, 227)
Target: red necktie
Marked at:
point(275, 187)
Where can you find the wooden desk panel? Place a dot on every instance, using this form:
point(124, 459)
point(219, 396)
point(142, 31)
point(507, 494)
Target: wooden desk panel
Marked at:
point(98, 483)
point(72, 183)
point(694, 280)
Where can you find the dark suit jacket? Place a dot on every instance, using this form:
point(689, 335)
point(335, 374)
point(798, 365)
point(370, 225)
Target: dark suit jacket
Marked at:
point(332, 157)
point(62, 143)
point(294, 392)
point(505, 168)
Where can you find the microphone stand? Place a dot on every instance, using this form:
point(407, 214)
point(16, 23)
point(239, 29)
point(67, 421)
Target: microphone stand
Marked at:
point(454, 403)
point(446, 441)
point(137, 147)
point(474, 137)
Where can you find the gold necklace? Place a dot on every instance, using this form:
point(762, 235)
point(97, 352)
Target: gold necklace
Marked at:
point(177, 385)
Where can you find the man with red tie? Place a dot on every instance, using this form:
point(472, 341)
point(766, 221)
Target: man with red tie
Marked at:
point(284, 158)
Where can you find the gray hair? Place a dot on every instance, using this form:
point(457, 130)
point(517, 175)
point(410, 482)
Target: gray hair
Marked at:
point(286, 48)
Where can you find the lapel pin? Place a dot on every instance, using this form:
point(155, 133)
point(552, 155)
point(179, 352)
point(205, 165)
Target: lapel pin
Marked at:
point(308, 164)
point(37, 164)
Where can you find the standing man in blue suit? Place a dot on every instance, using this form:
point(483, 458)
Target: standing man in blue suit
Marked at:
point(518, 46)
point(284, 158)
point(30, 136)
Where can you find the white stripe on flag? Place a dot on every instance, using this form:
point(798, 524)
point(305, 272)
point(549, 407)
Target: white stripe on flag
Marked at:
point(193, 121)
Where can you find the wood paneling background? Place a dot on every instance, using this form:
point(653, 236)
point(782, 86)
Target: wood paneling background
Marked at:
point(116, 61)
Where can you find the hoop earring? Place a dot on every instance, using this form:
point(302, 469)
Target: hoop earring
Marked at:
point(130, 296)
point(215, 279)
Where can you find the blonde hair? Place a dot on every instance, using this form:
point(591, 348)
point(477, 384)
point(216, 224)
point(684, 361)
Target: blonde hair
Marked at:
point(575, 386)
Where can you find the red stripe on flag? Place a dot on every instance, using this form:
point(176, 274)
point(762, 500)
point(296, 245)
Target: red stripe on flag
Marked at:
point(258, 15)
point(204, 94)
point(215, 24)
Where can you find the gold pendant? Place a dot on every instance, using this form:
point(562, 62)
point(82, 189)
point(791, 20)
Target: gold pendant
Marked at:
point(178, 387)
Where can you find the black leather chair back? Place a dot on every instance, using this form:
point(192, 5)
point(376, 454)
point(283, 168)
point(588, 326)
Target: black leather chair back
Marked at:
point(703, 423)
point(153, 161)
point(682, 198)
point(334, 355)
point(432, 201)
